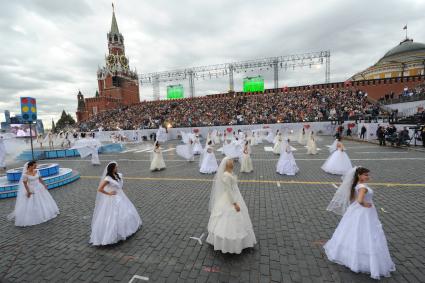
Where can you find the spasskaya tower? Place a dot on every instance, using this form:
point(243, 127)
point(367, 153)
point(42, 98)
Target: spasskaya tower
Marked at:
point(118, 85)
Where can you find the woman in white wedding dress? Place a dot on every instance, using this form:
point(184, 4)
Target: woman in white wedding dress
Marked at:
point(207, 161)
point(302, 137)
point(286, 164)
point(278, 144)
point(114, 218)
point(229, 227)
point(359, 241)
point(271, 136)
point(186, 151)
point(311, 145)
point(253, 140)
point(338, 162)
point(157, 161)
point(34, 204)
point(88, 146)
point(197, 147)
point(246, 161)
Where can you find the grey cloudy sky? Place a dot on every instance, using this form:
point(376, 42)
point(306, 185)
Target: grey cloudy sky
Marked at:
point(51, 49)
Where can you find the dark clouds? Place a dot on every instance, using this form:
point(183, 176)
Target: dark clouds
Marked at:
point(51, 49)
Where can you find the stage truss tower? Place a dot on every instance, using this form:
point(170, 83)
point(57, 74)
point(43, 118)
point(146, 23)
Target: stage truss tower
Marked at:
point(288, 62)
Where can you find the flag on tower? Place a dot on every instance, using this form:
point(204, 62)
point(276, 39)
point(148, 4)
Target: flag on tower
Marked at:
point(405, 27)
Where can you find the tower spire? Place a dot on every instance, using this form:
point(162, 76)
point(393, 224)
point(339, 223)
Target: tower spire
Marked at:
point(114, 25)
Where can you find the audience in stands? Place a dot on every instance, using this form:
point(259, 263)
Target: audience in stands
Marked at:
point(416, 93)
point(231, 109)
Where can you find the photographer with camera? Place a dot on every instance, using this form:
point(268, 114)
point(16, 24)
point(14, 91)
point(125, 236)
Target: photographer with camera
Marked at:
point(391, 135)
point(403, 137)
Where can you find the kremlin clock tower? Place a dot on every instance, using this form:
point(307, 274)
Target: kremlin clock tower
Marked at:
point(118, 85)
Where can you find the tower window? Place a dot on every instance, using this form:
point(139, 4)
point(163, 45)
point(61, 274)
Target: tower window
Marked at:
point(115, 81)
point(115, 38)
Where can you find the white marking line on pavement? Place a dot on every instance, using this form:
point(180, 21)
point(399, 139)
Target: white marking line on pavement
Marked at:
point(198, 239)
point(386, 152)
point(273, 159)
point(335, 186)
point(278, 184)
point(144, 278)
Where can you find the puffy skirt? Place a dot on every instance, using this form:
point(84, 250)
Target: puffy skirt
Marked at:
point(311, 148)
point(157, 162)
point(231, 150)
point(209, 164)
point(270, 138)
point(277, 147)
point(39, 208)
point(185, 152)
point(359, 243)
point(115, 218)
point(197, 148)
point(230, 231)
point(246, 163)
point(286, 164)
point(338, 163)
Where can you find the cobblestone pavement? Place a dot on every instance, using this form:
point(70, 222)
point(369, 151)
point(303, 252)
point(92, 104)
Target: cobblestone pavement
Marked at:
point(288, 214)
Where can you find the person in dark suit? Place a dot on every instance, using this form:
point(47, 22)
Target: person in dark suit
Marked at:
point(363, 132)
point(380, 133)
point(423, 136)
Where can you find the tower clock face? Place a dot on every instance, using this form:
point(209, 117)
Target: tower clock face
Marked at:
point(110, 60)
point(124, 61)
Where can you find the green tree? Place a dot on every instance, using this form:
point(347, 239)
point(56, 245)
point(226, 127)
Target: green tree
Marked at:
point(65, 122)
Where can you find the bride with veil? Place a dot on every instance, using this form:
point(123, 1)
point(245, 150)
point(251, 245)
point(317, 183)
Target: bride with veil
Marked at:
point(34, 204)
point(114, 218)
point(229, 227)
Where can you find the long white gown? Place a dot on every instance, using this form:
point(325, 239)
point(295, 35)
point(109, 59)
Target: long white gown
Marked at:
point(246, 163)
point(278, 145)
point(88, 146)
point(197, 147)
point(157, 162)
point(38, 208)
point(253, 140)
point(258, 138)
point(270, 137)
point(359, 242)
point(311, 146)
point(185, 151)
point(338, 163)
point(302, 137)
point(286, 164)
point(228, 230)
point(231, 149)
point(115, 218)
point(208, 163)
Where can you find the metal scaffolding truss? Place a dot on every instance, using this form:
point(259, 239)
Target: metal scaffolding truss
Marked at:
point(289, 62)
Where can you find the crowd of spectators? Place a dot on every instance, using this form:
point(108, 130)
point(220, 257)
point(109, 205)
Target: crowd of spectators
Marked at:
point(412, 94)
point(242, 109)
